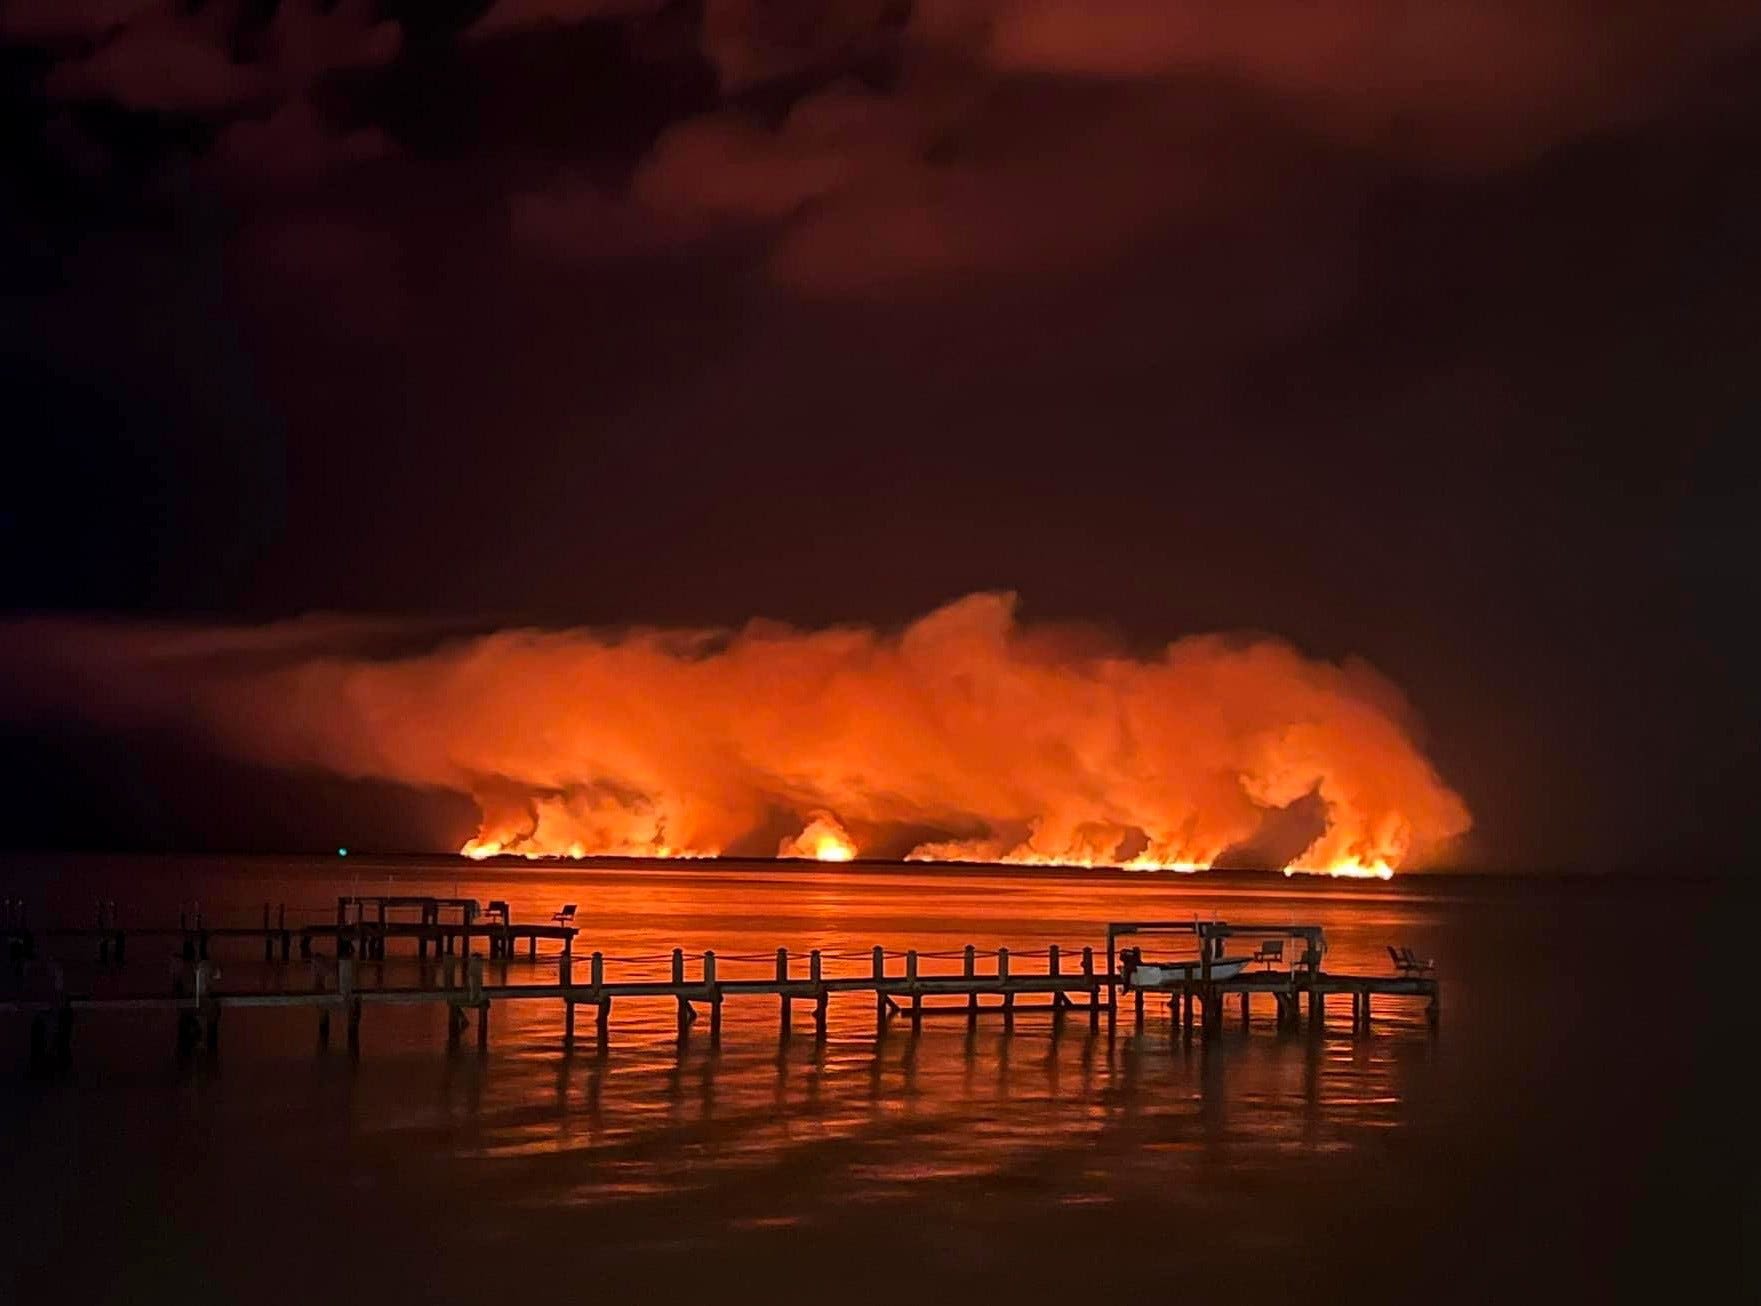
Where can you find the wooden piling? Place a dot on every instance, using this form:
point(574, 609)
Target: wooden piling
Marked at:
point(880, 995)
point(602, 1016)
point(970, 971)
point(1094, 990)
point(916, 993)
point(820, 996)
point(715, 999)
point(686, 1013)
point(783, 978)
point(565, 977)
point(1008, 993)
point(351, 1002)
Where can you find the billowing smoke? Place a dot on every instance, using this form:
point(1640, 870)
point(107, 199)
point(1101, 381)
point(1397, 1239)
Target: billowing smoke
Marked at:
point(967, 736)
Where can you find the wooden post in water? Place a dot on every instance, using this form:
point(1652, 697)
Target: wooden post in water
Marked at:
point(686, 1012)
point(323, 1008)
point(1112, 983)
point(916, 993)
point(188, 1023)
point(480, 1002)
point(1245, 1018)
point(601, 1017)
point(783, 978)
point(268, 939)
point(351, 1001)
point(1186, 1003)
point(1058, 999)
point(1094, 991)
point(880, 997)
point(207, 1008)
point(281, 928)
point(565, 976)
point(1366, 1011)
point(820, 994)
point(970, 970)
point(715, 1000)
point(1008, 993)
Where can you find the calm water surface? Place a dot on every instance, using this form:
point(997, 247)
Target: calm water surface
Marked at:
point(1571, 1129)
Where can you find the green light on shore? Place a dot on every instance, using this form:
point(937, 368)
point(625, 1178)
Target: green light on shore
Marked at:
point(342, 852)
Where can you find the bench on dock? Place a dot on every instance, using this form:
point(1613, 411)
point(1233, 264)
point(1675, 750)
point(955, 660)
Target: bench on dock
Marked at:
point(1407, 963)
point(1269, 951)
point(566, 916)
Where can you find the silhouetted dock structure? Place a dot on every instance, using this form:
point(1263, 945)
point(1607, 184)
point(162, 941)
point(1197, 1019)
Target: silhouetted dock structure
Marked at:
point(905, 987)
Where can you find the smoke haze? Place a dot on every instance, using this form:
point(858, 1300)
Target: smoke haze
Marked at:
point(969, 735)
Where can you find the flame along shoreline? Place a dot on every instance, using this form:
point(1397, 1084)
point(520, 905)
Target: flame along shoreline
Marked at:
point(837, 851)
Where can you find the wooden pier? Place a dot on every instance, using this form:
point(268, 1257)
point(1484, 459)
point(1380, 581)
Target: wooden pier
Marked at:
point(904, 987)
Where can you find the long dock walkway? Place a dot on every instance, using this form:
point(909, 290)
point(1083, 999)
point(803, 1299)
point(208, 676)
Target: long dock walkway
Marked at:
point(898, 984)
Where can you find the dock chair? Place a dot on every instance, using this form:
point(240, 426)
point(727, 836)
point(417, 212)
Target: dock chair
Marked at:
point(1269, 951)
point(566, 916)
point(1407, 964)
point(497, 908)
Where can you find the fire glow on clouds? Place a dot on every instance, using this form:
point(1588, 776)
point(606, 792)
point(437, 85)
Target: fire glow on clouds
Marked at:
point(968, 736)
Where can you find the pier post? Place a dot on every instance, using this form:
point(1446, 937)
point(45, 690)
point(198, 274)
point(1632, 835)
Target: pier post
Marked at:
point(1053, 962)
point(602, 1016)
point(63, 1018)
point(1186, 1004)
point(880, 996)
point(1246, 1018)
point(351, 1002)
point(916, 993)
point(1112, 983)
point(268, 938)
point(281, 928)
point(565, 976)
point(323, 1008)
point(1366, 1011)
point(820, 995)
point(189, 1026)
point(715, 999)
point(686, 1013)
point(1434, 1008)
point(1094, 991)
point(207, 1007)
point(1008, 993)
point(783, 978)
point(970, 962)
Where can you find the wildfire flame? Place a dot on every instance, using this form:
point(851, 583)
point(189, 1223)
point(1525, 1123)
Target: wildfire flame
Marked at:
point(824, 839)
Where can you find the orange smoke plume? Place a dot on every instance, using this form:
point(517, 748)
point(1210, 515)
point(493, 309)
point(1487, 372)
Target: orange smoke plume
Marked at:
point(968, 736)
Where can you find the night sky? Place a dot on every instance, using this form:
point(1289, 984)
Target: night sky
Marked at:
point(1425, 333)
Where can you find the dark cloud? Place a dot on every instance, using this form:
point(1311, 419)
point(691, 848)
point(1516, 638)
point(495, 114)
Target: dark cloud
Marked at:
point(169, 57)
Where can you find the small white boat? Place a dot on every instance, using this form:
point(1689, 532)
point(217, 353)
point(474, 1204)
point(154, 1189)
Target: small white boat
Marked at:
point(1172, 974)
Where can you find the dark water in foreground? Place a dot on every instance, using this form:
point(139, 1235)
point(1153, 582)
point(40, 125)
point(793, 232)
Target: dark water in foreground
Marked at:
point(1581, 1125)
